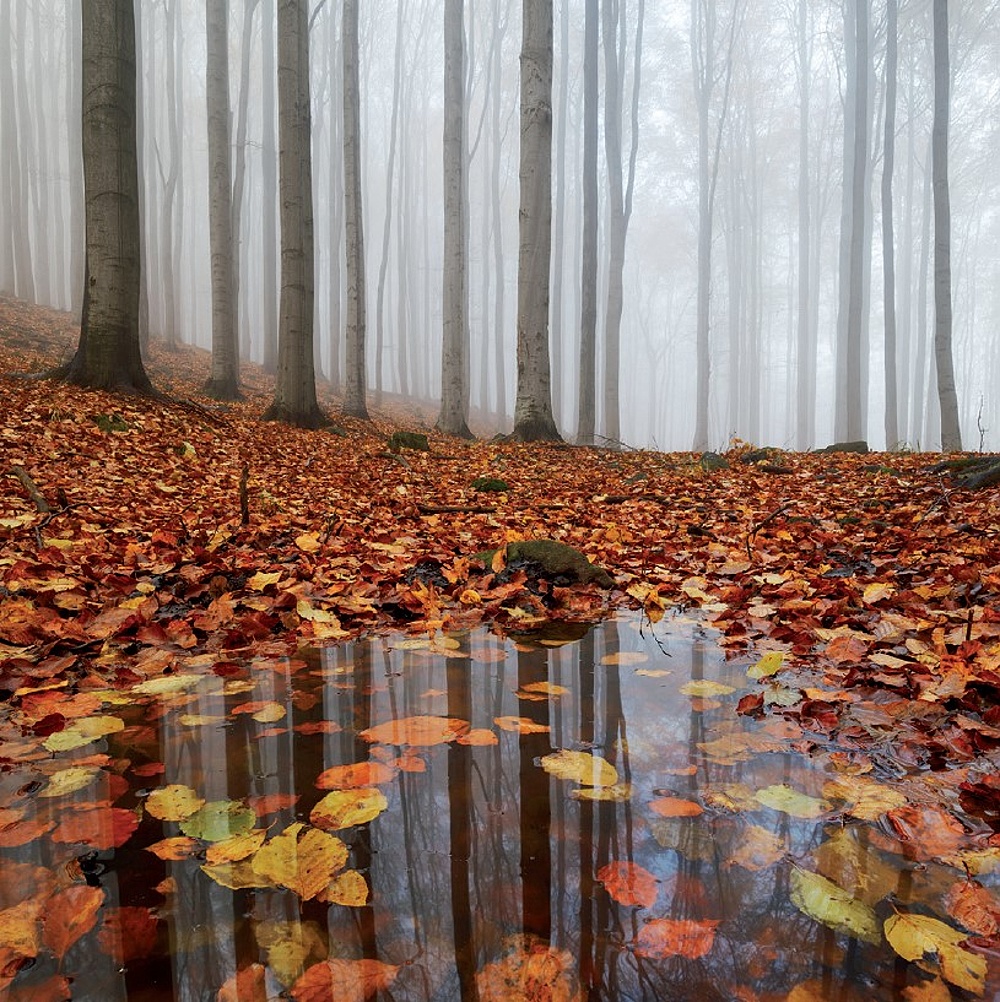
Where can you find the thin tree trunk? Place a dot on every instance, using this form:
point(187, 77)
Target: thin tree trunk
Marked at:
point(223, 382)
point(951, 434)
point(805, 411)
point(455, 321)
point(295, 385)
point(533, 407)
point(561, 116)
point(888, 236)
point(269, 185)
point(354, 400)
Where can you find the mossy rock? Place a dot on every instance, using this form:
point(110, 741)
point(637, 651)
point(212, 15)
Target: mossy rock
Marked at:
point(859, 447)
point(400, 440)
point(490, 485)
point(549, 558)
point(712, 462)
point(110, 422)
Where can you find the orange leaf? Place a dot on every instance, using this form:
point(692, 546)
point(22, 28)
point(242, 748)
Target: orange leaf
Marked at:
point(628, 883)
point(69, 915)
point(343, 981)
point(521, 725)
point(419, 730)
point(676, 807)
point(676, 938)
point(245, 986)
point(345, 777)
point(99, 827)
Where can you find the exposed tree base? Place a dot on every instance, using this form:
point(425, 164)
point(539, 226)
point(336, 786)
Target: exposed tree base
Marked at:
point(537, 428)
point(120, 380)
point(311, 418)
point(359, 411)
point(972, 472)
point(457, 429)
point(223, 389)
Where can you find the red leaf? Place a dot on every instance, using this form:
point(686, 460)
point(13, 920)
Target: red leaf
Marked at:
point(128, 933)
point(676, 938)
point(343, 981)
point(70, 914)
point(628, 883)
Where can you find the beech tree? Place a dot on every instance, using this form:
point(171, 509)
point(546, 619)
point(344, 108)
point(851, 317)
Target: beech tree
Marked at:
point(455, 321)
point(533, 418)
point(295, 384)
point(354, 376)
point(951, 434)
point(223, 382)
point(107, 355)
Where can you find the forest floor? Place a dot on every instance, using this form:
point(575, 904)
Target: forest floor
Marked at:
point(875, 575)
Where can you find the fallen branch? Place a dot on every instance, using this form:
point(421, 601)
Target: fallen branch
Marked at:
point(431, 509)
point(33, 492)
point(760, 525)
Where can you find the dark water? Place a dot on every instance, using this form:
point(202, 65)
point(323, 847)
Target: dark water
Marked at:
point(487, 877)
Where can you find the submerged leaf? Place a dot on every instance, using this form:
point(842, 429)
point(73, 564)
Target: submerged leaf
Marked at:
point(824, 901)
point(343, 981)
point(688, 938)
point(629, 884)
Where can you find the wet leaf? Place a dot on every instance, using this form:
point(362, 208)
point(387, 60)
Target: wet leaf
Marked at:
point(915, 936)
point(419, 730)
point(176, 802)
point(344, 808)
point(246, 985)
point(625, 658)
point(676, 807)
point(478, 737)
point(783, 798)
point(757, 850)
point(218, 820)
point(868, 800)
point(531, 972)
point(358, 774)
point(824, 901)
point(688, 938)
point(344, 981)
point(83, 732)
point(619, 793)
point(348, 888)
point(770, 664)
point(66, 781)
point(302, 859)
point(237, 847)
point(128, 933)
point(520, 725)
point(175, 848)
point(706, 688)
point(290, 947)
point(70, 914)
point(629, 884)
point(581, 767)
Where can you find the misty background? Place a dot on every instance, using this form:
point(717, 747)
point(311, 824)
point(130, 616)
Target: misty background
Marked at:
point(773, 80)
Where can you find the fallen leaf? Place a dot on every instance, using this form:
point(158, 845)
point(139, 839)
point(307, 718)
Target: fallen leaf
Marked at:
point(824, 901)
point(688, 938)
point(581, 767)
point(344, 808)
point(629, 884)
point(344, 981)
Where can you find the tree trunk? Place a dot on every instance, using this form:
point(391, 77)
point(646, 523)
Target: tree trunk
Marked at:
point(455, 321)
point(269, 184)
point(533, 408)
point(295, 384)
point(588, 288)
point(223, 382)
point(805, 409)
point(354, 398)
point(108, 356)
point(888, 235)
point(951, 434)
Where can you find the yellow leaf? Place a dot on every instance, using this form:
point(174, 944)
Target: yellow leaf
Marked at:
point(913, 936)
point(308, 542)
point(344, 808)
point(877, 591)
point(348, 888)
point(769, 664)
point(166, 685)
point(302, 859)
point(260, 580)
point(824, 901)
point(82, 732)
point(237, 876)
point(706, 687)
point(584, 768)
point(173, 803)
point(200, 719)
point(783, 798)
point(69, 781)
point(625, 658)
point(237, 847)
point(869, 800)
point(269, 713)
point(620, 793)
point(757, 849)
point(290, 947)
point(175, 848)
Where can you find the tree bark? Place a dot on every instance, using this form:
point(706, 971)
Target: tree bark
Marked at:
point(295, 384)
point(951, 434)
point(223, 382)
point(455, 321)
point(108, 356)
point(533, 408)
point(354, 399)
point(888, 235)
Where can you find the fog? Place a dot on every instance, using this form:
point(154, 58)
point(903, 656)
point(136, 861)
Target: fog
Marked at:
point(732, 73)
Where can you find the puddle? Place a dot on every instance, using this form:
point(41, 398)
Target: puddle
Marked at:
point(479, 866)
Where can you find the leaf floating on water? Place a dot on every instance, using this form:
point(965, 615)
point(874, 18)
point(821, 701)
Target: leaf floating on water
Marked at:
point(173, 803)
point(676, 807)
point(629, 884)
point(357, 774)
point(619, 793)
point(238, 847)
point(531, 972)
point(344, 981)
point(344, 808)
point(301, 858)
point(237, 876)
point(758, 849)
point(688, 938)
point(246, 985)
point(70, 914)
point(582, 767)
point(824, 901)
point(770, 664)
point(218, 820)
point(914, 936)
point(175, 848)
point(783, 798)
point(70, 780)
point(520, 725)
point(625, 658)
point(868, 800)
point(420, 730)
point(348, 888)
point(478, 737)
point(82, 732)
point(706, 688)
